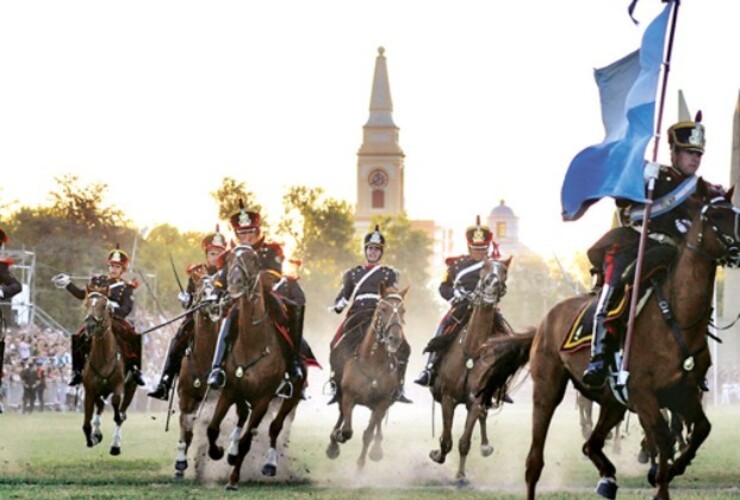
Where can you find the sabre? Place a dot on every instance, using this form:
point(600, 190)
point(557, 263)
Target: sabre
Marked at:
point(181, 315)
point(169, 407)
point(177, 276)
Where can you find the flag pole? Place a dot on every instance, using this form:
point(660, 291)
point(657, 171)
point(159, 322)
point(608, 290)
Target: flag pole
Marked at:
point(624, 370)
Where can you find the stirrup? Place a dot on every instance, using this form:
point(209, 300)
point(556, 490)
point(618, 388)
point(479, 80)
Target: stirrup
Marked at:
point(595, 375)
point(285, 389)
point(217, 378)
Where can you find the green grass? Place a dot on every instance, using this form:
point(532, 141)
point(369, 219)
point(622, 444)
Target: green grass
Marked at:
point(44, 456)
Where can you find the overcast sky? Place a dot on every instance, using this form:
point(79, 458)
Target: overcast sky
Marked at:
point(162, 99)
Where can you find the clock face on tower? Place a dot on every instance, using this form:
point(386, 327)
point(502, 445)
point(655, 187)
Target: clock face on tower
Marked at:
point(378, 179)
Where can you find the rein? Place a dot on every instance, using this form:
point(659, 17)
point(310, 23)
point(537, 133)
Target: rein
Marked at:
point(102, 325)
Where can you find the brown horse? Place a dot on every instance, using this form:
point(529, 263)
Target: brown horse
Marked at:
point(668, 360)
point(371, 376)
point(196, 364)
point(255, 367)
point(451, 385)
point(585, 418)
point(105, 371)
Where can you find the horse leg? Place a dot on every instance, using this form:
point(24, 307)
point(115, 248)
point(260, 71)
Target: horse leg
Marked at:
point(115, 447)
point(216, 452)
point(345, 433)
point(86, 424)
point(376, 416)
point(245, 443)
point(475, 414)
point(332, 451)
point(376, 452)
point(445, 441)
point(486, 449)
point(550, 380)
point(97, 433)
point(187, 422)
point(242, 412)
point(610, 414)
point(269, 467)
point(658, 437)
point(701, 428)
point(617, 444)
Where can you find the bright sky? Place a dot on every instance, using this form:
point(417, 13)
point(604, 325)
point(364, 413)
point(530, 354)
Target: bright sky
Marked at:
point(162, 99)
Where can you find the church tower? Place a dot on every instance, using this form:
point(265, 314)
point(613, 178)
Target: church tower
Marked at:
point(380, 160)
point(731, 348)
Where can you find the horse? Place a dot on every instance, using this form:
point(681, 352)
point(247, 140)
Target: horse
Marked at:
point(255, 367)
point(372, 375)
point(196, 364)
point(451, 386)
point(669, 356)
point(105, 371)
point(585, 418)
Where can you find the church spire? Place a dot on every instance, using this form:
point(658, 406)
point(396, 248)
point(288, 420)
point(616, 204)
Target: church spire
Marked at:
point(735, 159)
point(381, 104)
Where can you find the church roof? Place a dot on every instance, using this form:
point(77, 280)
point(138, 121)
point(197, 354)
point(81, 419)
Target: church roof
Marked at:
point(381, 104)
point(502, 211)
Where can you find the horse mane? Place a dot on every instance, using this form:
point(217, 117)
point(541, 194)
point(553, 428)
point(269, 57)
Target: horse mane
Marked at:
point(500, 361)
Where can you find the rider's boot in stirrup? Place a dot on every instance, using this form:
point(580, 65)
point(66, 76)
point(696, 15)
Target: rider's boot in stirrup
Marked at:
point(595, 374)
point(426, 377)
point(296, 332)
point(162, 391)
point(217, 378)
point(78, 360)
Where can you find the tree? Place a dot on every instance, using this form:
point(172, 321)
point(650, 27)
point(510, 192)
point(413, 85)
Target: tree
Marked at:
point(228, 195)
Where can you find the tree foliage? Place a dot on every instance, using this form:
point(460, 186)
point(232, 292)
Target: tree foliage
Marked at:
point(228, 195)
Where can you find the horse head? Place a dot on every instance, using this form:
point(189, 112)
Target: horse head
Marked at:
point(492, 283)
point(98, 306)
point(205, 290)
point(388, 319)
point(243, 271)
point(718, 236)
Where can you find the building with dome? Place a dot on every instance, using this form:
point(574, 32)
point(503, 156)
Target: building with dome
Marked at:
point(505, 227)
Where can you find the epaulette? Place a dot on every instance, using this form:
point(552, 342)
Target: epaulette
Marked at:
point(133, 284)
point(451, 260)
point(194, 267)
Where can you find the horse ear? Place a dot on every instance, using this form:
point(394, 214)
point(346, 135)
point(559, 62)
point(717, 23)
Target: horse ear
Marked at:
point(381, 288)
point(507, 262)
point(729, 194)
point(405, 291)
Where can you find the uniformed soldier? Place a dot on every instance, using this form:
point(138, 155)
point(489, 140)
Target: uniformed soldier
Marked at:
point(287, 293)
point(360, 291)
point(459, 281)
point(669, 222)
point(120, 296)
point(213, 245)
point(9, 287)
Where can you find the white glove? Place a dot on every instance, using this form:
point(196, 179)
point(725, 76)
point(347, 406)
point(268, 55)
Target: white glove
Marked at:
point(184, 298)
point(652, 170)
point(113, 304)
point(61, 280)
point(458, 294)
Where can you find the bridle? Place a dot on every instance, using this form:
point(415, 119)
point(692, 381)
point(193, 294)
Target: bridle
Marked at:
point(490, 288)
point(729, 243)
point(243, 280)
point(385, 326)
point(96, 326)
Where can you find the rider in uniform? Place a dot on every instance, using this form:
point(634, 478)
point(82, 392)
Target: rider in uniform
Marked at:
point(213, 245)
point(287, 293)
point(360, 287)
point(669, 222)
point(120, 296)
point(9, 287)
point(459, 282)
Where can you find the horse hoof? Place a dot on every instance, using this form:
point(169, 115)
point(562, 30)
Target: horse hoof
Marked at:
point(462, 482)
point(651, 474)
point(332, 451)
point(216, 452)
point(643, 457)
point(486, 450)
point(97, 438)
point(607, 488)
point(231, 459)
point(269, 470)
point(376, 454)
point(181, 465)
point(437, 456)
point(231, 487)
point(179, 474)
point(115, 450)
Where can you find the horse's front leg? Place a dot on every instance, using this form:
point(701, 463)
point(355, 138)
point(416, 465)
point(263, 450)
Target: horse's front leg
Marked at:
point(376, 452)
point(475, 412)
point(245, 443)
point(187, 421)
point(369, 434)
point(445, 441)
point(658, 436)
point(486, 448)
point(86, 422)
point(115, 447)
point(332, 451)
point(269, 467)
point(223, 404)
point(610, 414)
point(345, 433)
point(701, 429)
point(242, 412)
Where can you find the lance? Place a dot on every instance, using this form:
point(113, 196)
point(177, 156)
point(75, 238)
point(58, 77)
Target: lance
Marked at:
point(171, 396)
point(172, 320)
point(624, 370)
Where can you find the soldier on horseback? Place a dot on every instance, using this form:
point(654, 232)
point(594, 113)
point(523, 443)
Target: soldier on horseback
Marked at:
point(459, 282)
point(213, 245)
point(618, 248)
point(360, 286)
point(287, 298)
point(9, 287)
point(120, 296)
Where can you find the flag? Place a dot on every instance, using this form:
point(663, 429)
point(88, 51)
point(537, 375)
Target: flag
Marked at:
point(627, 90)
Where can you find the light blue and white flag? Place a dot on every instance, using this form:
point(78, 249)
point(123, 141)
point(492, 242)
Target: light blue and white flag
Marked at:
point(627, 89)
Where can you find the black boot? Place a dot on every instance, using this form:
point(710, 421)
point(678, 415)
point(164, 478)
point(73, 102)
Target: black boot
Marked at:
point(595, 374)
point(162, 390)
point(296, 332)
point(337, 393)
point(426, 377)
point(217, 378)
point(136, 375)
point(78, 361)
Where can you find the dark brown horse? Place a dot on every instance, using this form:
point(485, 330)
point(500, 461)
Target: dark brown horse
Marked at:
point(371, 376)
point(255, 367)
point(668, 360)
point(451, 385)
point(196, 364)
point(105, 371)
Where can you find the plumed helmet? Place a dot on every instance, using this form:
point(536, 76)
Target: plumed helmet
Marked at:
point(688, 135)
point(214, 240)
point(375, 238)
point(245, 221)
point(478, 236)
point(118, 256)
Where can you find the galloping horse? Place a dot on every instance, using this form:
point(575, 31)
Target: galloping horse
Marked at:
point(105, 371)
point(451, 386)
point(371, 376)
point(669, 357)
point(196, 364)
point(255, 367)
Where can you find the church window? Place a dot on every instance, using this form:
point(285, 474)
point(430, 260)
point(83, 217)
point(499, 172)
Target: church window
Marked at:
point(378, 198)
point(501, 229)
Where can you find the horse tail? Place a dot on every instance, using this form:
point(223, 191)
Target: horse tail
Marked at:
point(501, 360)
